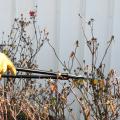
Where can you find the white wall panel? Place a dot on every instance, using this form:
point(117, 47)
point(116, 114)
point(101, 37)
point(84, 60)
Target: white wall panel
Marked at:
point(115, 54)
point(23, 7)
point(60, 17)
point(47, 14)
point(102, 12)
point(6, 15)
point(70, 29)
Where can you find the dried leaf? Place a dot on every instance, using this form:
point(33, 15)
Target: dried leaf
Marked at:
point(94, 82)
point(53, 87)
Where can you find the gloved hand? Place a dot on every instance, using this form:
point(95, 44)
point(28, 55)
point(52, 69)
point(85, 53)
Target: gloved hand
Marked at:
point(6, 65)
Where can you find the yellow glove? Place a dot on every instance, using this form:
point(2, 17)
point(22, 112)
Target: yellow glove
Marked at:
point(6, 64)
